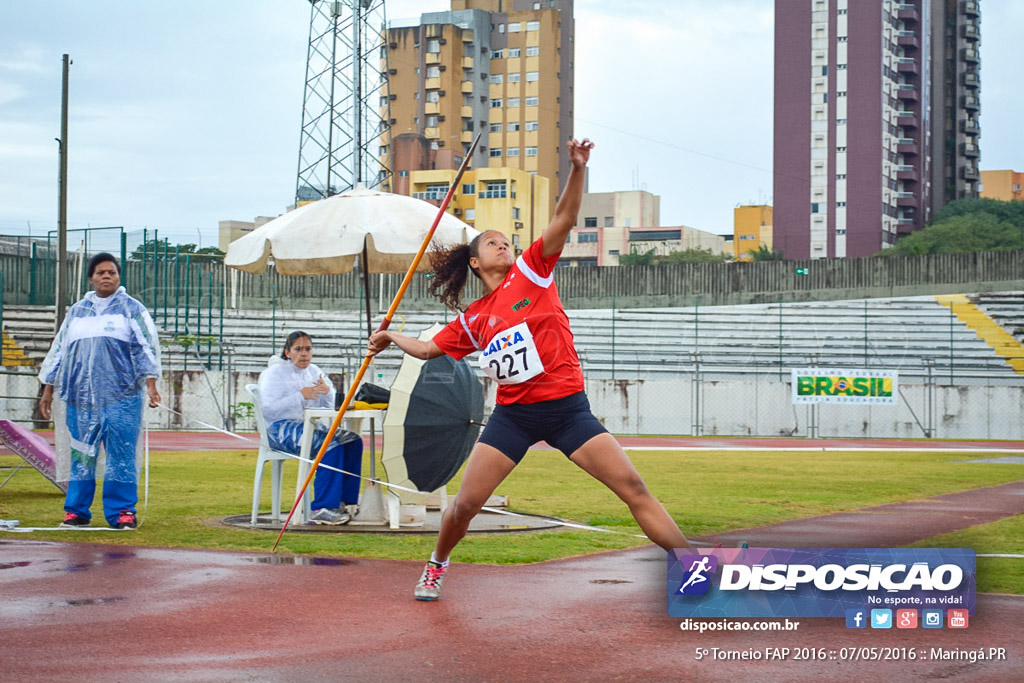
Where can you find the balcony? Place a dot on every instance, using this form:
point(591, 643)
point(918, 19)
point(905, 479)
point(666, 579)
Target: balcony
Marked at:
point(907, 39)
point(466, 136)
point(907, 65)
point(433, 195)
point(969, 172)
point(466, 112)
point(907, 199)
point(969, 32)
point(467, 62)
point(970, 55)
point(906, 92)
point(970, 8)
point(907, 173)
point(433, 83)
point(970, 127)
point(906, 146)
point(970, 103)
point(432, 108)
point(969, 150)
point(467, 36)
point(432, 133)
point(433, 58)
point(467, 86)
point(907, 119)
point(970, 79)
point(907, 12)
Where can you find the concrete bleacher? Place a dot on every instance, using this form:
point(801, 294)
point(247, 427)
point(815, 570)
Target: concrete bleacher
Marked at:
point(900, 334)
point(1006, 308)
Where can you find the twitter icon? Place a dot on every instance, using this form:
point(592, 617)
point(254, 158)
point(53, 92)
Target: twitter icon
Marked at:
point(881, 618)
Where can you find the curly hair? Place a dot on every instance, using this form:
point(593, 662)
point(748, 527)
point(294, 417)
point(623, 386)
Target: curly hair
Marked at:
point(450, 266)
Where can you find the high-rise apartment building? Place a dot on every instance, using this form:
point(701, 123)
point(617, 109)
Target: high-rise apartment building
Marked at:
point(876, 120)
point(751, 229)
point(503, 67)
point(1003, 185)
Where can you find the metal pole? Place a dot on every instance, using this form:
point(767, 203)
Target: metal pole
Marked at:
point(273, 312)
point(62, 218)
point(865, 332)
point(166, 273)
point(357, 96)
point(177, 285)
point(142, 261)
point(32, 277)
point(613, 336)
point(124, 258)
point(220, 335)
point(780, 336)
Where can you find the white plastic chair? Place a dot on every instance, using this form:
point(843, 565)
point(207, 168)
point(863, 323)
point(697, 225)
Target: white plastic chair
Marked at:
point(266, 454)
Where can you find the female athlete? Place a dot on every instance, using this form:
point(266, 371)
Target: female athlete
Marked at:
point(521, 329)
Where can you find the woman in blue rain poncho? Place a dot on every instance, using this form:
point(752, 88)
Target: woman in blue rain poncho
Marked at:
point(104, 362)
point(287, 388)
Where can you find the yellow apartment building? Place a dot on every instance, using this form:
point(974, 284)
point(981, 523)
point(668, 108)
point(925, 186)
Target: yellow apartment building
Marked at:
point(509, 200)
point(502, 68)
point(752, 228)
point(1002, 185)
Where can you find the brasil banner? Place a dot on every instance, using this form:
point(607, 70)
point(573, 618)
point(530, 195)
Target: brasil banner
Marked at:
point(829, 385)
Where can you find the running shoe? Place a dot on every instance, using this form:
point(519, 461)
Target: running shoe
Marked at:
point(429, 587)
point(330, 517)
point(71, 520)
point(126, 520)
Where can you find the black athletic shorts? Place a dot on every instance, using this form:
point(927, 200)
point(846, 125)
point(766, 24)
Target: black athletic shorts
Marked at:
point(565, 423)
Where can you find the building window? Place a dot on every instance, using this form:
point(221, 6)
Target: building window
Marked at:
point(431, 122)
point(587, 236)
point(531, 125)
point(497, 54)
point(513, 52)
point(841, 39)
point(501, 28)
point(495, 128)
point(496, 103)
point(495, 152)
point(469, 188)
point(840, 93)
point(533, 26)
point(495, 189)
point(515, 212)
point(532, 51)
point(433, 45)
point(532, 76)
point(532, 102)
point(497, 79)
point(513, 102)
point(514, 77)
point(514, 27)
point(403, 174)
point(512, 152)
point(531, 151)
point(609, 221)
point(513, 126)
point(655, 235)
point(840, 149)
point(590, 222)
point(470, 214)
point(815, 208)
point(433, 72)
point(433, 96)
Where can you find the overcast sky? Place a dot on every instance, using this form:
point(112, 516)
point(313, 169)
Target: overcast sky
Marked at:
point(188, 113)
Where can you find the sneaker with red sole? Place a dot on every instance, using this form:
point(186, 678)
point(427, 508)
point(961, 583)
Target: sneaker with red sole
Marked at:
point(126, 520)
point(72, 521)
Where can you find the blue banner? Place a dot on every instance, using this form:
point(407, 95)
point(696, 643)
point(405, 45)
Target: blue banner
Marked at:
point(818, 582)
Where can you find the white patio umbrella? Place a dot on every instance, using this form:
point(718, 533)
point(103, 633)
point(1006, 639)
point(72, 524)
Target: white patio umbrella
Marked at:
point(328, 236)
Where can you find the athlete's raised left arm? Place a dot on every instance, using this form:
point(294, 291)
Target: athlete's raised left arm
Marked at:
point(568, 206)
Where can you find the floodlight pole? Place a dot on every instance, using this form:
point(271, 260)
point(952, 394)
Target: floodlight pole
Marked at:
point(62, 211)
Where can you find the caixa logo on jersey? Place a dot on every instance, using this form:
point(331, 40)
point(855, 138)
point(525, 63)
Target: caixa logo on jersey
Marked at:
point(817, 582)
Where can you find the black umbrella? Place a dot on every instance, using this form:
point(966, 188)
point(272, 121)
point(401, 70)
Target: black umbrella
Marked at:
point(433, 420)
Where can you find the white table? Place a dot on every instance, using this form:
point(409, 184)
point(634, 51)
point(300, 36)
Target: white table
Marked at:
point(353, 421)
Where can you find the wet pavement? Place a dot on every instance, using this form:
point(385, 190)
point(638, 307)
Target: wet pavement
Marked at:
point(100, 613)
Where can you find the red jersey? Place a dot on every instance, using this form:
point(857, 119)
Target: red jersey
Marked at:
point(522, 333)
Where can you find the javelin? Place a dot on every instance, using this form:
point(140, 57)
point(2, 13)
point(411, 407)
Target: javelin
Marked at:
point(383, 326)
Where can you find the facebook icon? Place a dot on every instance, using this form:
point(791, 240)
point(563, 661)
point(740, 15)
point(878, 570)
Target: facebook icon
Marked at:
point(856, 618)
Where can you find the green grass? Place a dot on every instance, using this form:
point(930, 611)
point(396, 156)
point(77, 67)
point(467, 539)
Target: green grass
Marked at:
point(995, 574)
point(706, 492)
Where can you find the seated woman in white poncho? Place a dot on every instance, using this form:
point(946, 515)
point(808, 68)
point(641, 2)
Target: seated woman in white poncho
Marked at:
point(286, 390)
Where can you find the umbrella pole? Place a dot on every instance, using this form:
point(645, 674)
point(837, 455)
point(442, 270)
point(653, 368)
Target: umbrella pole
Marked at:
point(383, 326)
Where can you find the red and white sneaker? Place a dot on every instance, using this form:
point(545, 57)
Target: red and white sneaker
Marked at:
point(72, 521)
point(126, 520)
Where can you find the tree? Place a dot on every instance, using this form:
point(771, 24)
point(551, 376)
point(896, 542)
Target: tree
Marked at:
point(695, 255)
point(1011, 212)
point(765, 253)
point(963, 233)
point(635, 259)
point(157, 246)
